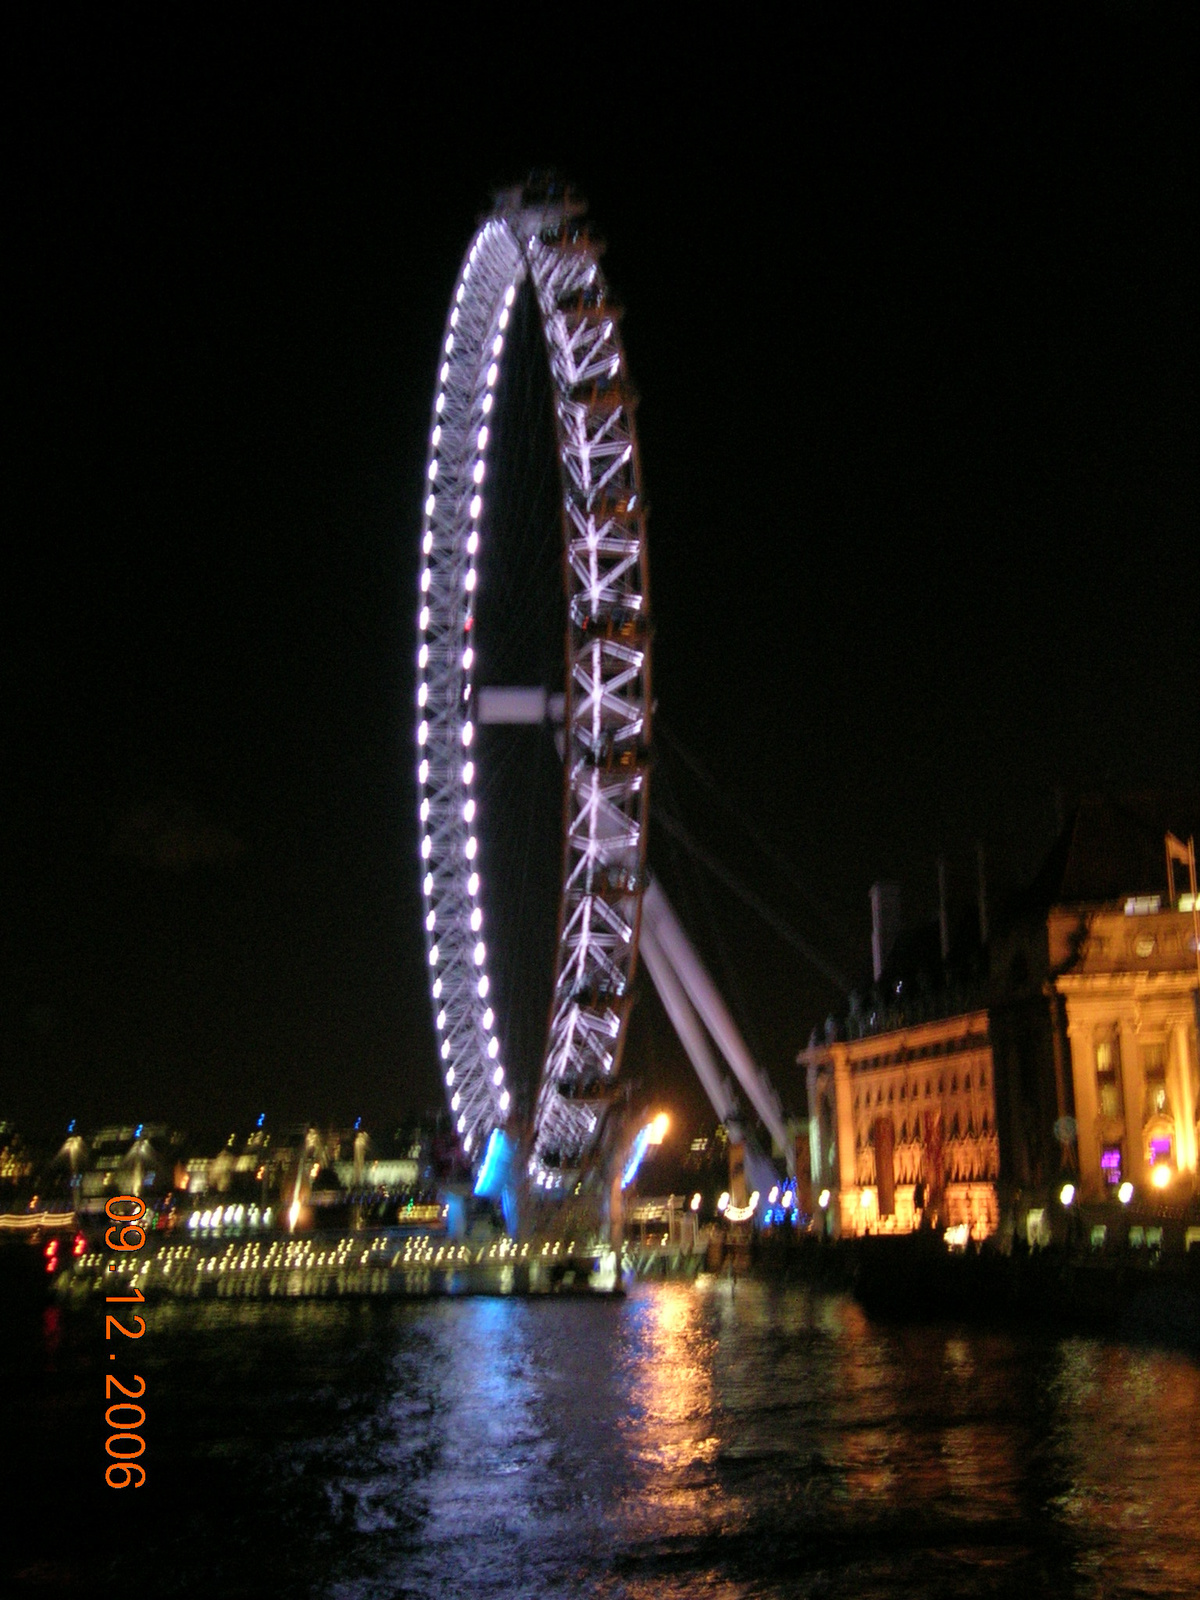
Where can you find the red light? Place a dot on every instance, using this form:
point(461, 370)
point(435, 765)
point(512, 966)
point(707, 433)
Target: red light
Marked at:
point(52, 1256)
point(80, 1245)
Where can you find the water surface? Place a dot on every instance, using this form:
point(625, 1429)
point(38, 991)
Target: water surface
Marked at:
point(689, 1440)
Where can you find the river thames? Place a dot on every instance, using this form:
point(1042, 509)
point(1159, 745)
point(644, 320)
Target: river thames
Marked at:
point(689, 1440)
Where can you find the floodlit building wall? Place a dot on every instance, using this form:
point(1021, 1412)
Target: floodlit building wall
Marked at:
point(1131, 1002)
point(934, 1083)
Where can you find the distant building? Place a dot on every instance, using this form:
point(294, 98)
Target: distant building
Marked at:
point(16, 1165)
point(903, 1123)
point(1062, 1048)
point(137, 1160)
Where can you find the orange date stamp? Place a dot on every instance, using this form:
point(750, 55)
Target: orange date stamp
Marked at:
point(124, 1426)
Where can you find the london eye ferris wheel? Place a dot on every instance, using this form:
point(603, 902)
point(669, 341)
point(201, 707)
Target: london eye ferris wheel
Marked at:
point(533, 253)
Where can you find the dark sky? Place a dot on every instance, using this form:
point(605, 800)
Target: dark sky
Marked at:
point(911, 307)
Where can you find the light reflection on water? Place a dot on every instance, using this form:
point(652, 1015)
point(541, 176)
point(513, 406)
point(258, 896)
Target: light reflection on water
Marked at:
point(687, 1441)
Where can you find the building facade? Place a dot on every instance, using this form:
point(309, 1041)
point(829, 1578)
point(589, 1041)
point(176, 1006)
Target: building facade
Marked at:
point(902, 1127)
point(1077, 1070)
point(1128, 978)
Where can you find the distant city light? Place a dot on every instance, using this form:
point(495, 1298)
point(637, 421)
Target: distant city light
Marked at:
point(1160, 1177)
point(823, 1199)
point(1125, 1193)
point(1067, 1194)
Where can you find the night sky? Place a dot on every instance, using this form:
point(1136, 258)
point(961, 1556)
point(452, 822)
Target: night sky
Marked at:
point(911, 308)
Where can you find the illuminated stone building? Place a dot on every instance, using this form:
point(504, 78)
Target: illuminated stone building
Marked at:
point(903, 1122)
point(1129, 984)
point(1069, 1056)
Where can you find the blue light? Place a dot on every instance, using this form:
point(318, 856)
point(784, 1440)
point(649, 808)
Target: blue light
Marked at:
point(262, 1117)
point(640, 1145)
point(71, 1125)
point(494, 1159)
point(137, 1132)
point(357, 1124)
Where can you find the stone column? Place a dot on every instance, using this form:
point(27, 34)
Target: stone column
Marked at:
point(1133, 1098)
point(820, 1177)
point(845, 1120)
point(1081, 1039)
point(1064, 1098)
point(1179, 1078)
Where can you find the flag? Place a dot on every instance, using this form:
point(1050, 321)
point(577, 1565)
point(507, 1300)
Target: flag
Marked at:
point(1178, 851)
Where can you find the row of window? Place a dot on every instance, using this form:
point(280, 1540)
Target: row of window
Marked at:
point(937, 1047)
point(957, 1167)
point(955, 1130)
point(914, 1093)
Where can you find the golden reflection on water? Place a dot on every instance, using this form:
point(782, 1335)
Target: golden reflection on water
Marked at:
point(1128, 1450)
point(745, 1442)
point(674, 1385)
point(1072, 1457)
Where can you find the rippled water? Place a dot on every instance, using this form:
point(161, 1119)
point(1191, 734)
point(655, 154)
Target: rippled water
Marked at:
point(687, 1441)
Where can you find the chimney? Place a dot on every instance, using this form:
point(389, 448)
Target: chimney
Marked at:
point(943, 910)
point(983, 909)
point(885, 923)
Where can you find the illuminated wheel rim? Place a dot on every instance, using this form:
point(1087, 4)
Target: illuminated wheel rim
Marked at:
point(539, 234)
